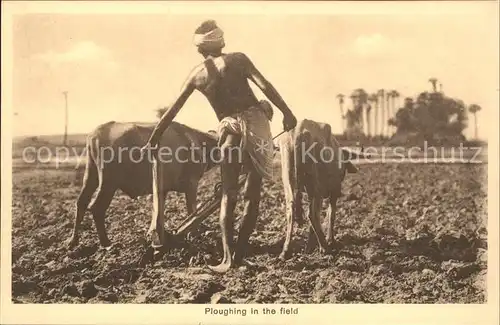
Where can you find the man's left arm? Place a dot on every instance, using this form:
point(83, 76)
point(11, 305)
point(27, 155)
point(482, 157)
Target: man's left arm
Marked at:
point(171, 113)
point(289, 121)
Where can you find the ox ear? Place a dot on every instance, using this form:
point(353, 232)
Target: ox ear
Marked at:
point(351, 169)
point(346, 158)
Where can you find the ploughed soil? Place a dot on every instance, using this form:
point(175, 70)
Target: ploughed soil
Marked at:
point(406, 233)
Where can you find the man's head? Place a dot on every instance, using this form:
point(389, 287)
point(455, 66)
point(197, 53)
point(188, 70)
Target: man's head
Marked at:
point(209, 38)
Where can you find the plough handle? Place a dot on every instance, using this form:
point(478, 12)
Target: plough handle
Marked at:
point(206, 210)
point(196, 218)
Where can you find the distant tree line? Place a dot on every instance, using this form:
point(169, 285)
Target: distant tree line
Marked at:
point(431, 116)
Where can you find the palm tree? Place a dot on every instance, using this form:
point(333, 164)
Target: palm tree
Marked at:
point(433, 81)
point(353, 100)
point(363, 102)
point(368, 109)
point(354, 117)
point(359, 99)
point(388, 113)
point(373, 99)
point(474, 108)
point(394, 95)
point(390, 110)
point(395, 101)
point(340, 97)
point(381, 94)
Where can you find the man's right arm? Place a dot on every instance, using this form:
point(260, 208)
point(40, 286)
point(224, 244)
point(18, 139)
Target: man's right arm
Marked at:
point(169, 115)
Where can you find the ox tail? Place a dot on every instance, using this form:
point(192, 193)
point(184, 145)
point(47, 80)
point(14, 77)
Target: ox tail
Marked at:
point(90, 181)
point(93, 150)
point(92, 166)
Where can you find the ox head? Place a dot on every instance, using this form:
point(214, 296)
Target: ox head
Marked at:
point(346, 165)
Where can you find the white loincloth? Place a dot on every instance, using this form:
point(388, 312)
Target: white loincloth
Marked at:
point(253, 125)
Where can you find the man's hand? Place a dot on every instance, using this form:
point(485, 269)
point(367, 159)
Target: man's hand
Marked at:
point(289, 121)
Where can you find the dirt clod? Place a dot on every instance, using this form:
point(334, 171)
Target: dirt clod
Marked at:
point(87, 289)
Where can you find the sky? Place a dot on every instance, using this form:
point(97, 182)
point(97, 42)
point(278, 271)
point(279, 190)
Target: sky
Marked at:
point(123, 66)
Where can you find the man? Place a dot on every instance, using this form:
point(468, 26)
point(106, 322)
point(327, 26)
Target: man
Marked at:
point(244, 123)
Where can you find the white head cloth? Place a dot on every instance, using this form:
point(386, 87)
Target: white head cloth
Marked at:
point(212, 39)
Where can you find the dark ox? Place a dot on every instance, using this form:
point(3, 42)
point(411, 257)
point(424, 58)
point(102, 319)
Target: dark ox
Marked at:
point(315, 172)
point(179, 169)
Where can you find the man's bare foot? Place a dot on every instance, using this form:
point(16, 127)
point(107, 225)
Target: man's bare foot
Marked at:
point(221, 268)
point(284, 256)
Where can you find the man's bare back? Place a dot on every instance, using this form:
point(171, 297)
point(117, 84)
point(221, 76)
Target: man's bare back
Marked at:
point(224, 81)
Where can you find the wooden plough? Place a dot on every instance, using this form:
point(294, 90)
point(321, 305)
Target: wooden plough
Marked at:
point(202, 212)
point(205, 210)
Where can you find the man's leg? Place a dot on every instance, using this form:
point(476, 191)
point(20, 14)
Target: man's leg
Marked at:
point(230, 170)
point(252, 199)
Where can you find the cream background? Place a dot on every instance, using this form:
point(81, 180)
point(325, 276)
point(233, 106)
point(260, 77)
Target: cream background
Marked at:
point(123, 66)
point(480, 13)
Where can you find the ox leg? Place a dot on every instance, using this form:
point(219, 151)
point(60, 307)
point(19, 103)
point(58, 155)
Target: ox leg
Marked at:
point(90, 183)
point(230, 170)
point(330, 215)
point(288, 177)
point(314, 217)
point(98, 207)
point(157, 228)
point(293, 213)
point(191, 200)
point(251, 210)
point(312, 241)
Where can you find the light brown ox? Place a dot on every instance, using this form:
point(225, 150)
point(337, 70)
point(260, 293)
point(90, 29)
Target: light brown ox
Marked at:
point(309, 168)
point(134, 176)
